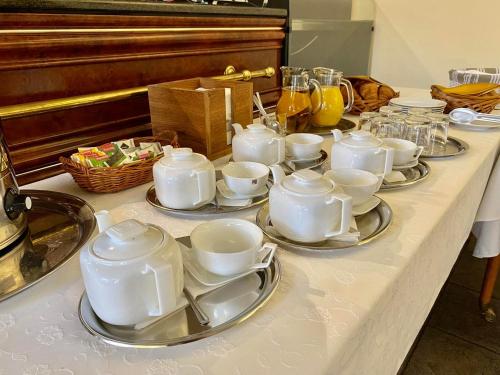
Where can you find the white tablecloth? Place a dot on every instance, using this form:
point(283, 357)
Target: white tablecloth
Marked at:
point(355, 311)
point(487, 226)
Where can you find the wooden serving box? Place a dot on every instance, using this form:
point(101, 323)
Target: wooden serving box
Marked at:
point(199, 117)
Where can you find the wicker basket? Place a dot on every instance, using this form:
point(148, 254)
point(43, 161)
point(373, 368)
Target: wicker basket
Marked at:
point(484, 103)
point(368, 104)
point(113, 179)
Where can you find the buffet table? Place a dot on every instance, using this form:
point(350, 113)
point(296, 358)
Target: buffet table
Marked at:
point(357, 311)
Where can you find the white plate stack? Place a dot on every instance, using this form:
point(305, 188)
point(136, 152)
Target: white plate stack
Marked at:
point(433, 105)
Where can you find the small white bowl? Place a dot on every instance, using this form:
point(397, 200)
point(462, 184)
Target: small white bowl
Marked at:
point(228, 246)
point(357, 183)
point(245, 177)
point(303, 145)
point(404, 151)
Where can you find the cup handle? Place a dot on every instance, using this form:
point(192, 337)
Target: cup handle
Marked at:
point(418, 152)
point(203, 179)
point(280, 157)
point(350, 94)
point(345, 220)
point(269, 249)
point(164, 277)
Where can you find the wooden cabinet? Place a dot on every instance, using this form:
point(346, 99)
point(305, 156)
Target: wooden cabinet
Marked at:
point(51, 56)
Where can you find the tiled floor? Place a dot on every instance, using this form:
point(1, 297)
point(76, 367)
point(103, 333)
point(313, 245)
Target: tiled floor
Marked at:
point(456, 340)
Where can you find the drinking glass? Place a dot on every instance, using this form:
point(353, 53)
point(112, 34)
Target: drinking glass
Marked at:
point(365, 120)
point(387, 110)
point(418, 130)
point(384, 127)
point(438, 131)
point(418, 111)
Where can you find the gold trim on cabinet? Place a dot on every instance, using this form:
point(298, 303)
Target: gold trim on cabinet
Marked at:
point(35, 108)
point(134, 30)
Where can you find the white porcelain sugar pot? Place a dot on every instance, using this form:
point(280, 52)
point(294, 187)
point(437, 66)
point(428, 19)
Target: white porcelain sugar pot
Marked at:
point(184, 179)
point(132, 271)
point(259, 144)
point(361, 150)
point(305, 207)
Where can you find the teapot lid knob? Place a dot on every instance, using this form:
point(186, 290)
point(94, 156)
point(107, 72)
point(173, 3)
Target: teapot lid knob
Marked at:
point(126, 230)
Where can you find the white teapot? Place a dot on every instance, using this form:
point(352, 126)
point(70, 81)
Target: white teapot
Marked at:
point(184, 179)
point(132, 271)
point(305, 208)
point(361, 150)
point(259, 144)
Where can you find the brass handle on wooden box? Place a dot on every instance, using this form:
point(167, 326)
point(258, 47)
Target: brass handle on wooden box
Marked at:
point(35, 108)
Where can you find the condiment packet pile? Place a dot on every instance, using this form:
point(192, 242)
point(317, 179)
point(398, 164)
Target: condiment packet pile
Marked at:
point(115, 154)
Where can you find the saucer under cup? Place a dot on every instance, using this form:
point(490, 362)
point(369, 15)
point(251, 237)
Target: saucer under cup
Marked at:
point(357, 183)
point(405, 151)
point(303, 146)
point(245, 178)
point(229, 246)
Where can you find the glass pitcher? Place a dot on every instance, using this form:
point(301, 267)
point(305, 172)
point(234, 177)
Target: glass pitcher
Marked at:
point(294, 107)
point(332, 107)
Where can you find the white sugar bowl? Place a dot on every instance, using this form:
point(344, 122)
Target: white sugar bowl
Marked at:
point(132, 271)
point(259, 144)
point(361, 150)
point(304, 206)
point(184, 179)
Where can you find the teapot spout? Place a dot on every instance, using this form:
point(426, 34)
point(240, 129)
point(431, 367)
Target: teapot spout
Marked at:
point(278, 173)
point(337, 135)
point(167, 150)
point(238, 129)
point(104, 220)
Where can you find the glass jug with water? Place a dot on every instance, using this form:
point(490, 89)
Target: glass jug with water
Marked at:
point(332, 107)
point(294, 107)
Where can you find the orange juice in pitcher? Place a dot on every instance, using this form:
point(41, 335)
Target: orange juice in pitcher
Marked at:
point(332, 108)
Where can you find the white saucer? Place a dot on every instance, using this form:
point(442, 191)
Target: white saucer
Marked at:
point(209, 278)
point(411, 164)
point(312, 158)
point(367, 206)
point(229, 194)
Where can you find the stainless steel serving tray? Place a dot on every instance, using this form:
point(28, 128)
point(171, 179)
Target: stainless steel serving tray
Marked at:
point(344, 125)
point(58, 225)
point(452, 147)
point(413, 176)
point(183, 327)
point(370, 225)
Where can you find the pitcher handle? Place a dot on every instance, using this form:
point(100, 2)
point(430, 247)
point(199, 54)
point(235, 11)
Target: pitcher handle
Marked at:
point(350, 94)
point(317, 86)
point(203, 179)
point(163, 274)
point(345, 219)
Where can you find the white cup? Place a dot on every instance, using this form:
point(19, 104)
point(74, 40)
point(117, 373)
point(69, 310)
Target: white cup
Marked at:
point(230, 246)
point(357, 183)
point(404, 151)
point(245, 177)
point(303, 145)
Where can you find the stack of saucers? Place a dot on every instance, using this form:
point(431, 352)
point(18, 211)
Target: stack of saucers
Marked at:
point(405, 104)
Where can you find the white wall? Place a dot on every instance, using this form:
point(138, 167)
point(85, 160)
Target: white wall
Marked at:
point(416, 42)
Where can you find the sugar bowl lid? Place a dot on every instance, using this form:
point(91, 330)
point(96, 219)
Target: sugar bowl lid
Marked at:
point(127, 240)
point(361, 138)
point(306, 181)
point(181, 158)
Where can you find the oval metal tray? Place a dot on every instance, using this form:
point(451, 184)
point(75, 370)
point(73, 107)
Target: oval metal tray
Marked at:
point(58, 225)
point(344, 125)
point(370, 225)
point(183, 327)
point(453, 147)
point(413, 176)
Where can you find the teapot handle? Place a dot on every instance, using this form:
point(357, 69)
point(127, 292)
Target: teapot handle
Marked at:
point(164, 278)
point(280, 157)
point(389, 159)
point(317, 86)
point(350, 94)
point(345, 219)
point(203, 180)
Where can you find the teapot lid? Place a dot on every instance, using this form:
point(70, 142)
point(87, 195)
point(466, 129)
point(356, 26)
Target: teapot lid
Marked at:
point(361, 138)
point(127, 240)
point(259, 130)
point(182, 158)
point(306, 181)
